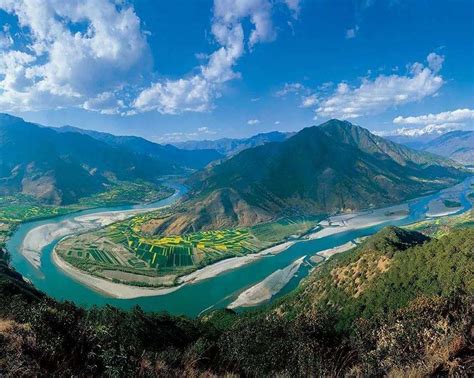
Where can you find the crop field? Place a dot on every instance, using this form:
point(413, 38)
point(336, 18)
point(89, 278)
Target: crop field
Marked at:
point(283, 228)
point(122, 251)
point(127, 192)
point(20, 208)
point(181, 250)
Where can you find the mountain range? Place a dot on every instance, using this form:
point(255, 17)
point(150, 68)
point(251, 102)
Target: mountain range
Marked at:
point(333, 167)
point(457, 145)
point(228, 146)
point(166, 154)
point(59, 166)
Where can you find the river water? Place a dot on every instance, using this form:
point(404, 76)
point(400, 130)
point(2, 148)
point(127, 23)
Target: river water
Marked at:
point(216, 292)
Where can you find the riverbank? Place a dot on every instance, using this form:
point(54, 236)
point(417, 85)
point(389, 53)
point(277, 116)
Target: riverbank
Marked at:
point(111, 289)
point(41, 236)
point(267, 288)
point(355, 221)
point(327, 253)
point(232, 263)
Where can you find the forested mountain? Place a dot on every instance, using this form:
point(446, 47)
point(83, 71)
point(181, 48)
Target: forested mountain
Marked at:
point(166, 154)
point(229, 146)
point(333, 167)
point(60, 168)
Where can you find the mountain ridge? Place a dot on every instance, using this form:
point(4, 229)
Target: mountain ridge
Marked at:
point(333, 167)
point(230, 146)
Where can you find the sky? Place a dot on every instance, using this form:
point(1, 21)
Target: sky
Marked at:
point(205, 69)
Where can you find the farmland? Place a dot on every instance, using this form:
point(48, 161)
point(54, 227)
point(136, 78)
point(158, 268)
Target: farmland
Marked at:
point(122, 253)
point(125, 252)
point(22, 208)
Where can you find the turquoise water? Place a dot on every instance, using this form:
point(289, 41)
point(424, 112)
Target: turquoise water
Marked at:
point(216, 292)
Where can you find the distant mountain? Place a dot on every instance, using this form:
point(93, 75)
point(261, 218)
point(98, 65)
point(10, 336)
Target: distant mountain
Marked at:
point(333, 167)
point(60, 168)
point(227, 146)
point(415, 142)
point(457, 145)
point(164, 153)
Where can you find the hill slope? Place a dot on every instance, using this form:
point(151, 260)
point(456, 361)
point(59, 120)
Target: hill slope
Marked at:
point(60, 168)
point(333, 167)
point(228, 146)
point(456, 145)
point(166, 154)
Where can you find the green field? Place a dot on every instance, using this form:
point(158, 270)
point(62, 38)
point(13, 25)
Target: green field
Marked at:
point(286, 227)
point(124, 252)
point(22, 208)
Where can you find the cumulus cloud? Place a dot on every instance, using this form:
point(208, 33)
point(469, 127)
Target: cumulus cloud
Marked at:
point(197, 92)
point(76, 51)
point(452, 116)
point(433, 129)
point(374, 96)
point(437, 123)
point(309, 101)
point(253, 122)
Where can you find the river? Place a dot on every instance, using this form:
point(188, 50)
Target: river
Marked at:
point(216, 292)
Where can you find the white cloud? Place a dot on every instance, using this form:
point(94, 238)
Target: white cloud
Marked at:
point(438, 123)
point(76, 50)
point(197, 92)
point(277, 122)
point(290, 88)
point(309, 101)
point(294, 6)
point(433, 129)
point(253, 122)
point(6, 39)
point(375, 96)
point(453, 116)
point(351, 33)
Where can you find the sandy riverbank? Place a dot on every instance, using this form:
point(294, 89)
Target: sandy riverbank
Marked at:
point(232, 263)
point(41, 236)
point(123, 291)
point(354, 221)
point(270, 286)
point(111, 289)
point(327, 253)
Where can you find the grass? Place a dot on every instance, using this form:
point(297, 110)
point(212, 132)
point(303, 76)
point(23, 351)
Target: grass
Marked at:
point(286, 227)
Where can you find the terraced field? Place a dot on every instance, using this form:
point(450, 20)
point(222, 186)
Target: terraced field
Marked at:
point(125, 252)
point(151, 260)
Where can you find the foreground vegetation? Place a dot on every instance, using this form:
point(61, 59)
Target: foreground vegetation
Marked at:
point(398, 304)
point(126, 252)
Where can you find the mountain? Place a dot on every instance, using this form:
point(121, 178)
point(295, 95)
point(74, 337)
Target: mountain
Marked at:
point(166, 154)
point(415, 142)
point(228, 146)
point(333, 167)
point(457, 145)
point(60, 168)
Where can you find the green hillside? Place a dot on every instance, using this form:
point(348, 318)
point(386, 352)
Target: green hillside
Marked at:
point(333, 167)
point(60, 168)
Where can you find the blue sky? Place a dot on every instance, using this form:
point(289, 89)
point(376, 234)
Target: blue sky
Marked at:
point(178, 70)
